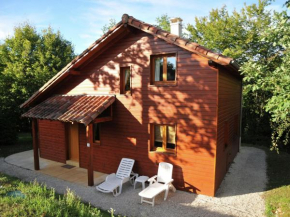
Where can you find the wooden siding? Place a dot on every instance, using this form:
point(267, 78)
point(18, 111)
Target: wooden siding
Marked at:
point(229, 104)
point(52, 143)
point(191, 104)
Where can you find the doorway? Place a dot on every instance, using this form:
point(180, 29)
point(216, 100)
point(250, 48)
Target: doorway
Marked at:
point(73, 145)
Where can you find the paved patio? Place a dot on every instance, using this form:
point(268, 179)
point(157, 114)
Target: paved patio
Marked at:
point(239, 194)
point(75, 174)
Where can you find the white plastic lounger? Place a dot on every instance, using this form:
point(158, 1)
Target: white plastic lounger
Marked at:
point(114, 182)
point(159, 183)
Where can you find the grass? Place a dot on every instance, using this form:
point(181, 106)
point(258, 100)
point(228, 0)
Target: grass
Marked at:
point(41, 201)
point(24, 143)
point(277, 196)
point(278, 201)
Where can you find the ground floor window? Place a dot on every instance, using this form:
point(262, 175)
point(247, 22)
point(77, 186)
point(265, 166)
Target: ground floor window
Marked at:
point(97, 133)
point(163, 137)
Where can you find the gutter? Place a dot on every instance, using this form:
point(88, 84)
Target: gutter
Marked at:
point(234, 65)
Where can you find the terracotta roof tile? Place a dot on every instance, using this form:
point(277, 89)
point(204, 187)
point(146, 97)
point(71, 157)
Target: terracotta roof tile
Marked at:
point(190, 46)
point(71, 108)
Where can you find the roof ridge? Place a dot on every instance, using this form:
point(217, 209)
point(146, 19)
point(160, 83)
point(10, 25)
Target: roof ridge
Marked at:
point(177, 40)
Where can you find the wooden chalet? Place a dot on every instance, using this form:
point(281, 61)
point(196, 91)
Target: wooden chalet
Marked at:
point(142, 93)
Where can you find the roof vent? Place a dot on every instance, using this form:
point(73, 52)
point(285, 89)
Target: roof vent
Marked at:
point(176, 26)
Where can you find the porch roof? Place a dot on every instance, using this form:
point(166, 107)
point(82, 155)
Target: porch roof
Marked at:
point(71, 108)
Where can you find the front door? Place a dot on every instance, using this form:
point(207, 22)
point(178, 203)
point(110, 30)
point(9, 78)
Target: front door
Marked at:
point(73, 149)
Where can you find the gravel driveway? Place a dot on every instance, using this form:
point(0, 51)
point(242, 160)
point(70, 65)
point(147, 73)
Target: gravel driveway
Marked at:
point(238, 195)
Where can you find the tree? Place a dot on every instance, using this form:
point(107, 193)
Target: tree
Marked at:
point(27, 60)
point(274, 76)
point(163, 22)
point(107, 27)
point(237, 35)
point(240, 35)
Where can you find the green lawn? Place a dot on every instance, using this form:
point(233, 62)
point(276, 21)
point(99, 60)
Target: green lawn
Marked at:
point(24, 143)
point(37, 200)
point(277, 196)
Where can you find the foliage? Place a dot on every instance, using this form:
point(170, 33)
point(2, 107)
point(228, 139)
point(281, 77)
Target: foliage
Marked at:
point(24, 143)
point(163, 22)
point(40, 201)
point(241, 35)
point(27, 60)
point(107, 27)
point(236, 35)
point(273, 76)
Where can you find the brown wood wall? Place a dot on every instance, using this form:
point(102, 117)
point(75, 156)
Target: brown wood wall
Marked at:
point(52, 144)
point(229, 100)
point(191, 104)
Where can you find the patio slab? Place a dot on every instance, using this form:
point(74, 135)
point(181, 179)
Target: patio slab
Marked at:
point(55, 169)
point(239, 194)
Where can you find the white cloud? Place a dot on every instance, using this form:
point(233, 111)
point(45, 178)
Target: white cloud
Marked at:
point(9, 22)
point(94, 14)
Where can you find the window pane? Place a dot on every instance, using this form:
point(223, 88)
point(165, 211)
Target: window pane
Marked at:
point(96, 132)
point(158, 135)
point(171, 68)
point(127, 79)
point(158, 69)
point(170, 137)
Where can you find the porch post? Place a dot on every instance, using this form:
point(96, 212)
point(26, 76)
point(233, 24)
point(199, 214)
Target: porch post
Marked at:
point(89, 135)
point(35, 143)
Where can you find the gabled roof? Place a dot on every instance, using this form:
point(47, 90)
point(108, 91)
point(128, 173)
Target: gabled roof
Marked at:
point(71, 108)
point(176, 40)
point(115, 31)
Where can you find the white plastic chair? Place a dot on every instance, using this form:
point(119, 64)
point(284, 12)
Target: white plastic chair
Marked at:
point(114, 182)
point(158, 183)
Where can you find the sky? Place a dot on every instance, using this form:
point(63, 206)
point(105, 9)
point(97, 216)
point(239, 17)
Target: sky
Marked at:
point(81, 21)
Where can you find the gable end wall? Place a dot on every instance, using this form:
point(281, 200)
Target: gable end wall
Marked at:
point(191, 105)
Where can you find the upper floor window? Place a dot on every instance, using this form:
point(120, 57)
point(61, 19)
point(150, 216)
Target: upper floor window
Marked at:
point(125, 81)
point(163, 69)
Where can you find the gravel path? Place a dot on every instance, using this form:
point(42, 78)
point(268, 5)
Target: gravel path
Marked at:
point(239, 194)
